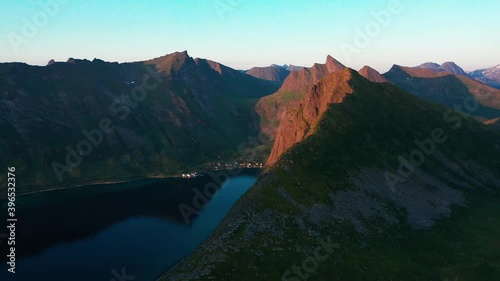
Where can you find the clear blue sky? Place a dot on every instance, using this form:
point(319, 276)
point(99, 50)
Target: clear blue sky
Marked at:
point(255, 33)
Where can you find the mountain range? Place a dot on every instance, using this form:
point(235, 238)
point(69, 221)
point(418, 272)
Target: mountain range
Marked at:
point(488, 76)
point(448, 89)
point(192, 117)
point(391, 176)
point(82, 121)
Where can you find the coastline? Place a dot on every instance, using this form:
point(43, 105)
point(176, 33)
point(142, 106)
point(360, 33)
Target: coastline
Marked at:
point(105, 182)
point(97, 182)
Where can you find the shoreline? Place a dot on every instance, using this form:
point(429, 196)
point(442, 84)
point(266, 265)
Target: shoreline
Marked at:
point(92, 183)
point(103, 182)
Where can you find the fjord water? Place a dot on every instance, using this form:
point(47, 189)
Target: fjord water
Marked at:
point(100, 232)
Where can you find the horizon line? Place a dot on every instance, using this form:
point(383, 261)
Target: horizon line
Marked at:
point(235, 68)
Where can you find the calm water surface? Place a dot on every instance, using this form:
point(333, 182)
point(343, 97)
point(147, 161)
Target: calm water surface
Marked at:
point(87, 232)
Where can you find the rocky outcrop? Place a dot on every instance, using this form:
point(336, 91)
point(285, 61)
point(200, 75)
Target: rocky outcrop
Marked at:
point(301, 81)
point(297, 123)
point(294, 88)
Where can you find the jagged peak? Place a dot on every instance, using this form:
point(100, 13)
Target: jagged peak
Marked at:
point(333, 88)
point(74, 61)
point(182, 54)
point(397, 66)
point(96, 60)
point(338, 83)
point(301, 80)
point(333, 65)
point(171, 62)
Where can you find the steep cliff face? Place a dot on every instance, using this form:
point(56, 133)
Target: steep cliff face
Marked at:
point(300, 81)
point(297, 123)
point(294, 88)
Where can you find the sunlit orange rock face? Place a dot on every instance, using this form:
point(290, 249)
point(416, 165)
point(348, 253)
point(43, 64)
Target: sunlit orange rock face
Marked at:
point(294, 88)
point(297, 123)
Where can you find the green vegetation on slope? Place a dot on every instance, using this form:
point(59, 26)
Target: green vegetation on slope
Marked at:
point(187, 114)
point(312, 192)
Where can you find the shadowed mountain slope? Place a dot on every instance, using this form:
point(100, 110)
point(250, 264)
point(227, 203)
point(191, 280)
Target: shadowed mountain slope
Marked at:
point(449, 66)
point(455, 91)
point(452, 68)
point(325, 209)
point(277, 74)
point(489, 76)
point(107, 121)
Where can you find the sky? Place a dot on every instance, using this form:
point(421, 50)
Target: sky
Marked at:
point(244, 33)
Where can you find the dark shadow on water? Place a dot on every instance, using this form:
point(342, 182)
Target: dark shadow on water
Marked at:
point(62, 216)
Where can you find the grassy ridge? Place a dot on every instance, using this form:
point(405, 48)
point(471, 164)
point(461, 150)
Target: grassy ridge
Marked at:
point(369, 130)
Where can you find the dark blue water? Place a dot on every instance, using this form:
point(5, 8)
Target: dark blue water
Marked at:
point(86, 233)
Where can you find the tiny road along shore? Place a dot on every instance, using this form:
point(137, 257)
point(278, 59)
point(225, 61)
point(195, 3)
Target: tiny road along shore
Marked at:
point(107, 182)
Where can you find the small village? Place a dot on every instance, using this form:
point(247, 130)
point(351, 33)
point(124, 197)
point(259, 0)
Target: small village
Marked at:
point(218, 166)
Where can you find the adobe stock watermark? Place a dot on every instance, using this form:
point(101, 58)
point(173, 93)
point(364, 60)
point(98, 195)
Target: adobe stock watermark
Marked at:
point(427, 147)
point(224, 6)
point(311, 263)
point(31, 26)
point(121, 107)
point(364, 36)
point(122, 276)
